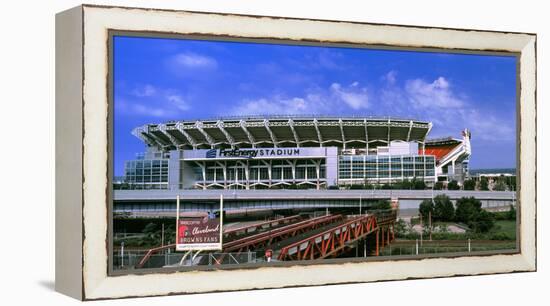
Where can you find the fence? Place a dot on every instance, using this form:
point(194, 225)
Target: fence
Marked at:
point(437, 247)
point(130, 260)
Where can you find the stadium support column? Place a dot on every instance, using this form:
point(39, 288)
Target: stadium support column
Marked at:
point(293, 165)
point(331, 166)
point(318, 173)
point(203, 168)
point(174, 170)
point(247, 174)
point(223, 164)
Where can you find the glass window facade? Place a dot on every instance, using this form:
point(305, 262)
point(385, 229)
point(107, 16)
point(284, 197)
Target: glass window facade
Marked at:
point(375, 168)
point(146, 174)
point(251, 172)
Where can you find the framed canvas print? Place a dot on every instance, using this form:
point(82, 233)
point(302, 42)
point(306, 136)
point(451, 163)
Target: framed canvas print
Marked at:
point(201, 152)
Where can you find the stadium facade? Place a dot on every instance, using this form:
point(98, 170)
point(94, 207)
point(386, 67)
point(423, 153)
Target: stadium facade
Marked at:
point(280, 152)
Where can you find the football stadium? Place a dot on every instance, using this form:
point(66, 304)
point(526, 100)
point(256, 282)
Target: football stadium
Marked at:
point(273, 163)
point(281, 183)
point(293, 152)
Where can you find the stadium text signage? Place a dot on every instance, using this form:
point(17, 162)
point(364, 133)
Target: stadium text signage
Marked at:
point(252, 153)
point(198, 234)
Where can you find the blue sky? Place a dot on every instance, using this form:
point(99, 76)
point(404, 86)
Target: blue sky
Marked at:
point(157, 80)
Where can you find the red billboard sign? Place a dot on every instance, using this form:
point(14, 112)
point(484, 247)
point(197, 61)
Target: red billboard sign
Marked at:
point(198, 234)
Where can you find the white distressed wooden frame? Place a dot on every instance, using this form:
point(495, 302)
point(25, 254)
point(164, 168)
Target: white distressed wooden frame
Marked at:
point(82, 156)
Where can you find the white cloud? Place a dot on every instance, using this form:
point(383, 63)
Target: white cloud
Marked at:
point(314, 101)
point(275, 106)
point(449, 109)
point(330, 60)
point(435, 94)
point(141, 109)
point(152, 101)
point(390, 77)
point(488, 127)
point(194, 61)
point(354, 96)
point(144, 91)
point(178, 102)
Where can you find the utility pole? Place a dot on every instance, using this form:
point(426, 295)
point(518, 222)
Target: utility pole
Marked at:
point(122, 254)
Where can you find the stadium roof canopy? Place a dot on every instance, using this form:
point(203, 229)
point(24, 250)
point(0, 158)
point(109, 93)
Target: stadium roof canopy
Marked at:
point(282, 131)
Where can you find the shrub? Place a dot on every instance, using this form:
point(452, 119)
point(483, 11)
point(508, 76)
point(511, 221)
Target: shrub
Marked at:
point(453, 185)
point(419, 184)
point(426, 207)
point(381, 205)
point(483, 222)
point(484, 184)
point(469, 185)
point(406, 184)
point(467, 209)
point(511, 214)
point(443, 209)
point(500, 236)
point(401, 228)
point(500, 186)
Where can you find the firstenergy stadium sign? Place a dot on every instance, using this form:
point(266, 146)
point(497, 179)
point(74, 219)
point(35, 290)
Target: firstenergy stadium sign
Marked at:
point(253, 153)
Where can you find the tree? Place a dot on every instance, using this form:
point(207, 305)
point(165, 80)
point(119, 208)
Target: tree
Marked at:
point(419, 184)
point(443, 208)
point(484, 183)
point(469, 184)
point(453, 185)
point(406, 184)
point(381, 205)
point(426, 207)
point(467, 209)
point(512, 182)
point(500, 186)
point(150, 228)
point(401, 228)
point(438, 186)
point(483, 222)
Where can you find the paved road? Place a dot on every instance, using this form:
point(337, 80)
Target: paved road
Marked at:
point(151, 195)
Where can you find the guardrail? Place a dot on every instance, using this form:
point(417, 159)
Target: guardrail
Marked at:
point(335, 240)
point(247, 229)
point(269, 237)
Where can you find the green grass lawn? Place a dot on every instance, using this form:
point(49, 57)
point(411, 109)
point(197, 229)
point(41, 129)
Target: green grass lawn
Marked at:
point(507, 227)
point(408, 247)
